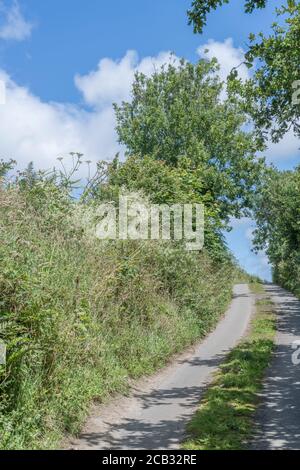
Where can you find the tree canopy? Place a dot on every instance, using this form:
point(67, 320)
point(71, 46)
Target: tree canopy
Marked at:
point(277, 215)
point(177, 117)
point(271, 98)
point(269, 95)
point(201, 8)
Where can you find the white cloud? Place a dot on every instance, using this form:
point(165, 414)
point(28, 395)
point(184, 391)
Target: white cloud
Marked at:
point(33, 130)
point(227, 55)
point(13, 26)
point(113, 79)
point(38, 131)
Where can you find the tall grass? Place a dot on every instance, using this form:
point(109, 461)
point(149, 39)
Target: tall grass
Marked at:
point(81, 316)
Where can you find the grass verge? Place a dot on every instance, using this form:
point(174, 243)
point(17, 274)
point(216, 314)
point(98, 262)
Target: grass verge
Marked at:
point(224, 420)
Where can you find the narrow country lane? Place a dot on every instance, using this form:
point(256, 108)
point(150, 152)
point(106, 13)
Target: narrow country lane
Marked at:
point(156, 413)
point(278, 418)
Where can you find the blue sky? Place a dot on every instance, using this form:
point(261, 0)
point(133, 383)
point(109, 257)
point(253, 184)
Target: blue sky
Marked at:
point(59, 94)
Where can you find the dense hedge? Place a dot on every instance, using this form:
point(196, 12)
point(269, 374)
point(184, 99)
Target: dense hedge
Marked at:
point(81, 316)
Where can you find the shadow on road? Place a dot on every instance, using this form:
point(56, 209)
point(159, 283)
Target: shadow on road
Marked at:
point(278, 418)
point(155, 416)
point(144, 434)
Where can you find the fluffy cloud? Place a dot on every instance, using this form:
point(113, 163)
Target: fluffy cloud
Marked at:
point(113, 79)
point(33, 130)
point(38, 131)
point(13, 26)
point(228, 57)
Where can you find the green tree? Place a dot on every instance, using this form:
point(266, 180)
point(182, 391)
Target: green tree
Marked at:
point(165, 184)
point(201, 8)
point(270, 95)
point(277, 214)
point(177, 117)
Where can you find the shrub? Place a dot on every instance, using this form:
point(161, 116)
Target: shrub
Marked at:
point(81, 316)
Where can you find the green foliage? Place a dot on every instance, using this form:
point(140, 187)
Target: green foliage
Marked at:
point(177, 117)
point(201, 8)
point(277, 216)
point(81, 317)
point(271, 98)
point(165, 184)
point(269, 94)
point(224, 420)
point(5, 167)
